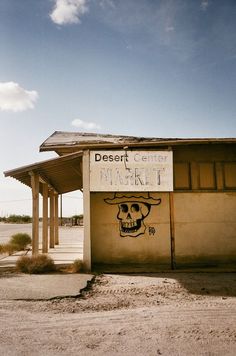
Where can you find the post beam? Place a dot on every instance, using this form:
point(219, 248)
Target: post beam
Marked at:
point(56, 222)
point(52, 219)
point(35, 212)
point(61, 210)
point(172, 230)
point(86, 202)
point(45, 218)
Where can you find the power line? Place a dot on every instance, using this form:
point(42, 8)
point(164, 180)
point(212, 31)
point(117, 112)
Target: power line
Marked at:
point(18, 200)
point(71, 197)
point(13, 201)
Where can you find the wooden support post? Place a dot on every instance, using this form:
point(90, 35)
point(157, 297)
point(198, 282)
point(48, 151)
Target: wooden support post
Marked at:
point(86, 202)
point(35, 212)
point(56, 220)
point(61, 210)
point(52, 219)
point(172, 230)
point(45, 218)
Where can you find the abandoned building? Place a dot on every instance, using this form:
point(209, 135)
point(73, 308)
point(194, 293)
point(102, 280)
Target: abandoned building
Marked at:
point(148, 202)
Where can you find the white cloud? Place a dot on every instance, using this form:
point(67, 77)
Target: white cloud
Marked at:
point(68, 11)
point(104, 3)
point(204, 5)
point(85, 125)
point(169, 28)
point(15, 98)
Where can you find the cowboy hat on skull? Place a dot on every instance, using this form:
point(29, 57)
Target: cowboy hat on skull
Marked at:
point(144, 198)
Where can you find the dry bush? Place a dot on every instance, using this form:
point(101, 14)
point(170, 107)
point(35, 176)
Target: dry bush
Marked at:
point(35, 264)
point(22, 264)
point(77, 266)
point(8, 248)
point(20, 241)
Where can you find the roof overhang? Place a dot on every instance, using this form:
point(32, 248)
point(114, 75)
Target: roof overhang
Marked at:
point(63, 174)
point(67, 142)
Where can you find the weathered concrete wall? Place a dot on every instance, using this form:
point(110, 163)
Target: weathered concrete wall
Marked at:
point(205, 226)
point(108, 246)
point(205, 214)
point(205, 230)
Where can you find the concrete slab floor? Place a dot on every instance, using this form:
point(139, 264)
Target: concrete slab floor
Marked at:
point(69, 249)
point(16, 286)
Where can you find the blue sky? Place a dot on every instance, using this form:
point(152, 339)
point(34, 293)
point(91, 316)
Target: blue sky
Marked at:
point(162, 68)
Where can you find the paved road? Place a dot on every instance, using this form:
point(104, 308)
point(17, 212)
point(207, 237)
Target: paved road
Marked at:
point(68, 234)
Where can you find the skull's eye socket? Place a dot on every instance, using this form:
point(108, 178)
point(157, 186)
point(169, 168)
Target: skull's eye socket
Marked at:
point(124, 208)
point(134, 207)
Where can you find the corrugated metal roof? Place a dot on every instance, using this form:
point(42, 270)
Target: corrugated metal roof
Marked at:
point(62, 142)
point(64, 174)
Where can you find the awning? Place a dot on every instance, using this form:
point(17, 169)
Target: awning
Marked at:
point(63, 174)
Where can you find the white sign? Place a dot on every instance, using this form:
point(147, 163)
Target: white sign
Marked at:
point(135, 171)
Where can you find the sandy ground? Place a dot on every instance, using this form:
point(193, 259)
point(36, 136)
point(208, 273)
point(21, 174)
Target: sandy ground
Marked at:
point(155, 314)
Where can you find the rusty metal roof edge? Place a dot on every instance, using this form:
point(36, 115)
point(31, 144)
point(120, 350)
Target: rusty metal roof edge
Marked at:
point(36, 165)
point(162, 142)
point(100, 141)
point(53, 134)
point(45, 144)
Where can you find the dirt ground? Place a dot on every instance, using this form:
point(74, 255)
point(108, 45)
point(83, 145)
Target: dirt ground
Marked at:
point(154, 314)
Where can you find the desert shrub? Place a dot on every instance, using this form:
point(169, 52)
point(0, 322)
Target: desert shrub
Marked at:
point(22, 264)
point(26, 219)
point(20, 241)
point(35, 264)
point(8, 248)
point(77, 266)
point(77, 219)
point(18, 219)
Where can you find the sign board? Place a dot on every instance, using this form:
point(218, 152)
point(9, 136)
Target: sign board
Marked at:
point(136, 171)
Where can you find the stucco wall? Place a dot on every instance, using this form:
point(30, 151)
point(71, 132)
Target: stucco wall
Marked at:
point(107, 244)
point(205, 230)
point(205, 227)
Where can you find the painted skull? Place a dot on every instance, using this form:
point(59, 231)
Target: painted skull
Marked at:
point(131, 216)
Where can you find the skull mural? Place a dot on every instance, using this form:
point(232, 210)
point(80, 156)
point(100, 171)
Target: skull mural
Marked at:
point(131, 216)
point(132, 212)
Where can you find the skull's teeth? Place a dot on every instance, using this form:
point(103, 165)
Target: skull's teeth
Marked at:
point(129, 224)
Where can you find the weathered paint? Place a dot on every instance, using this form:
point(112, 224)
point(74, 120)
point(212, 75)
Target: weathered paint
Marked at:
point(205, 231)
point(125, 170)
point(153, 246)
point(205, 227)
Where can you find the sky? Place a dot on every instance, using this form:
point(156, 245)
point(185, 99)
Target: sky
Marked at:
point(158, 68)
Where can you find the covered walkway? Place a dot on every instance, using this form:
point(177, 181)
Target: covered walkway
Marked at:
point(70, 248)
point(49, 178)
